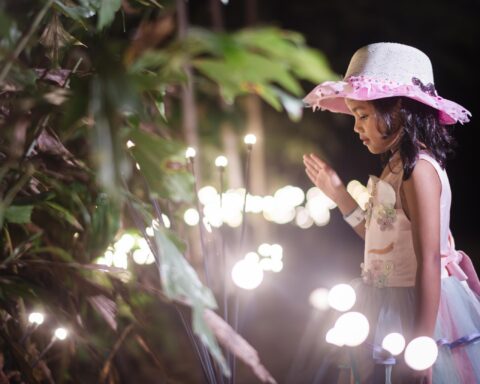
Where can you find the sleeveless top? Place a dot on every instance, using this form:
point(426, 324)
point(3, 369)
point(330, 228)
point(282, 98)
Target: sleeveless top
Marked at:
point(389, 259)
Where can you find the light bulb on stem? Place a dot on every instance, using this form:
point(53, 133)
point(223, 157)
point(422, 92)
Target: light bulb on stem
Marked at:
point(59, 334)
point(35, 319)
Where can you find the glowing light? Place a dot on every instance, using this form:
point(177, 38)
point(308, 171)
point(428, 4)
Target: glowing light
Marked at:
point(254, 204)
point(213, 214)
point(120, 260)
point(190, 153)
point(130, 144)
point(252, 257)
point(334, 337)
point(36, 318)
point(143, 256)
point(354, 188)
point(342, 297)
point(421, 353)
point(191, 217)
point(277, 211)
point(149, 231)
point(166, 221)
point(354, 328)
point(266, 264)
point(124, 244)
point(207, 225)
point(277, 265)
point(250, 139)
point(76, 235)
point(394, 343)
point(276, 251)
point(303, 218)
point(363, 199)
point(137, 166)
point(221, 162)
point(247, 275)
point(317, 193)
point(290, 196)
point(208, 195)
point(61, 333)
point(319, 299)
point(319, 211)
point(264, 249)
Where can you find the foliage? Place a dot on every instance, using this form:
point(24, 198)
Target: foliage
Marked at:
point(74, 89)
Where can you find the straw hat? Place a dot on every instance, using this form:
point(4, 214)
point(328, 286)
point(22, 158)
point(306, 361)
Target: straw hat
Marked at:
point(383, 70)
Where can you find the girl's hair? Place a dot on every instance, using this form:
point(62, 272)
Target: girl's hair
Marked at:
point(420, 125)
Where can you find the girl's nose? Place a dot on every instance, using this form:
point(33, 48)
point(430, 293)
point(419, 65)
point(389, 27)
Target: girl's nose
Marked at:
point(357, 126)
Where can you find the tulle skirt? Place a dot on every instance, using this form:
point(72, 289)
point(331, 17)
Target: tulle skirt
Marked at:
point(391, 309)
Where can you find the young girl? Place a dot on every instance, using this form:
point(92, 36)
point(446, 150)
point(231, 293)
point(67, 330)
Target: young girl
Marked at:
point(413, 281)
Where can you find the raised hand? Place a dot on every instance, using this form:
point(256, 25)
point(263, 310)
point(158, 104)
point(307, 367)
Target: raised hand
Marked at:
point(323, 176)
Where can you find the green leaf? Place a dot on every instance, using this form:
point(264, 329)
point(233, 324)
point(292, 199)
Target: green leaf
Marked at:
point(107, 11)
point(19, 214)
point(60, 212)
point(163, 164)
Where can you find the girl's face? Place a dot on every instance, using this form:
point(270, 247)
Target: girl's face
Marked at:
point(370, 127)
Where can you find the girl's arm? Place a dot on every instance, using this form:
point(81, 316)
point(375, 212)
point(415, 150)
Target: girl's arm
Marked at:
point(422, 200)
point(325, 178)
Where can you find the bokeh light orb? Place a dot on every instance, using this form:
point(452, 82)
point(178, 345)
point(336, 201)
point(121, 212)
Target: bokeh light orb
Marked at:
point(319, 299)
point(247, 275)
point(354, 328)
point(36, 318)
point(394, 343)
point(334, 337)
point(221, 161)
point(250, 139)
point(421, 353)
point(342, 297)
point(61, 333)
point(191, 217)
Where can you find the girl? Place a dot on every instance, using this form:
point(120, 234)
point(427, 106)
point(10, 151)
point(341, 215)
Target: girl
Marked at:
point(413, 281)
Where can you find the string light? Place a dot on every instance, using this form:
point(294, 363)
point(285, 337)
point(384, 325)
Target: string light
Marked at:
point(250, 139)
point(342, 297)
point(221, 162)
point(190, 153)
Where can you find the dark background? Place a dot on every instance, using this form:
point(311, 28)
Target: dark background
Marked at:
point(276, 318)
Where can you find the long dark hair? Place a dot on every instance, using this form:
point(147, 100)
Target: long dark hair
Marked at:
point(420, 125)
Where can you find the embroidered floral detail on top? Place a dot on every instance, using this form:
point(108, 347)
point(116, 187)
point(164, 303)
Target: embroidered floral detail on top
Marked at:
point(378, 274)
point(381, 204)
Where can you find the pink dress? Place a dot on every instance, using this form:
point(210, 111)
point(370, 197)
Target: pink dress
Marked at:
point(386, 291)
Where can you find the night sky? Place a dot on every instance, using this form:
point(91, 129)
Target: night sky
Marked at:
point(277, 318)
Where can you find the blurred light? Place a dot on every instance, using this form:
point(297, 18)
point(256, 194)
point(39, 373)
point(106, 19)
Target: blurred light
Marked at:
point(254, 204)
point(143, 256)
point(363, 199)
point(208, 195)
point(394, 343)
point(124, 244)
point(76, 235)
point(276, 251)
point(225, 2)
point(354, 187)
point(213, 214)
point(264, 249)
point(317, 193)
point(130, 144)
point(233, 218)
point(207, 225)
point(303, 218)
point(334, 337)
point(166, 221)
point(61, 333)
point(421, 353)
point(107, 258)
point(120, 260)
point(247, 275)
point(149, 231)
point(137, 166)
point(319, 299)
point(190, 153)
point(290, 195)
point(36, 318)
point(354, 328)
point(191, 217)
point(318, 209)
point(252, 257)
point(221, 162)
point(277, 265)
point(277, 211)
point(341, 297)
point(249, 139)
point(266, 264)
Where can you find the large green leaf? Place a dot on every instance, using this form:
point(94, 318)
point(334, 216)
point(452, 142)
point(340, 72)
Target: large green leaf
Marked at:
point(19, 214)
point(162, 163)
point(107, 11)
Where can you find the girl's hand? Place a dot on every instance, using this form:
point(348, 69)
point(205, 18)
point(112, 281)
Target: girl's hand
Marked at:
point(323, 176)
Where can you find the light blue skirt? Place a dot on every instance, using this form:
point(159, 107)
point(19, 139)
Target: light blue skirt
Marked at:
point(392, 309)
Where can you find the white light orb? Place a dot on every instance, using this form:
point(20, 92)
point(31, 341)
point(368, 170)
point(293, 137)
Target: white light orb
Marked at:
point(266, 264)
point(120, 260)
point(36, 318)
point(290, 195)
point(207, 225)
point(254, 204)
point(130, 144)
point(166, 221)
point(208, 195)
point(354, 187)
point(342, 297)
point(277, 265)
point(108, 258)
point(124, 244)
point(61, 333)
point(191, 217)
point(363, 198)
point(303, 218)
point(250, 139)
point(316, 193)
point(213, 214)
point(264, 249)
point(247, 275)
point(221, 162)
point(276, 251)
point(421, 353)
point(334, 337)
point(149, 231)
point(137, 166)
point(252, 257)
point(318, 210)
point(354, 328)
point(394, 343)
point(319, 299)
point(190, 153)
point(140, 256)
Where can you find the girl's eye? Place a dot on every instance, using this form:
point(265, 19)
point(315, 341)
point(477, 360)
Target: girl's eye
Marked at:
point(363, 117)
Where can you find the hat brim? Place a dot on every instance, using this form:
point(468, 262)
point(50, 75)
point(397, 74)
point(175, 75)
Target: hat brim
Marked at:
point(331, 96)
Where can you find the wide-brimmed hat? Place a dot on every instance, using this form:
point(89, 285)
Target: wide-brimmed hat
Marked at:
point(383, 70)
